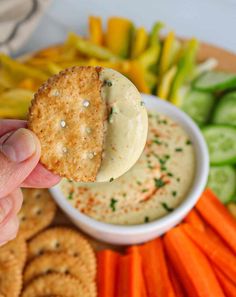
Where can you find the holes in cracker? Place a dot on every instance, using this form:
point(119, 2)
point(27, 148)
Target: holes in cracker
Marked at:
point(38, 196)
point(86, 103)
point(66, 271)
point(57, 245)
point(62, 123)
point(64, 150)
point(90, 155)
point(54, 92)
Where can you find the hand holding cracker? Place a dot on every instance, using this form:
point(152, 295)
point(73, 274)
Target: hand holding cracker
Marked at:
point(19, 166)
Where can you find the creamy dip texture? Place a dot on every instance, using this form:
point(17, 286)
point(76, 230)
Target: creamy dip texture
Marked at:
point(153, 187)
point(127, 125)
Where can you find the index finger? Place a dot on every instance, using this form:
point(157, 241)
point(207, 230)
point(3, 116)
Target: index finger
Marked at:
point(7, 126)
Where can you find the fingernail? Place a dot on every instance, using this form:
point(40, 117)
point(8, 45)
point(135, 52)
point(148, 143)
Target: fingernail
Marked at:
point(5, 207)
point(19, 146)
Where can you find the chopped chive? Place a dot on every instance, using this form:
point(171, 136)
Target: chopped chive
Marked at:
point(162, 161)
point(113, 204)
point(163, 168)
point(146, 219)
point(170, 174)
point(70, 196)
point(166, 207)
point(124, 194)
point(70, 181)
point(150, 166)
point(144, 190)
point(138, 182)
point(188, 142)
point(108, 82)
point(174, 193)
point(159, 183)
point(111, 179)
point(178, 179)
point(167, 157)
point(156, 141)
point(178, 149)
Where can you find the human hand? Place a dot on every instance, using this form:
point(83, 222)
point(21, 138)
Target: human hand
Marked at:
point(19, 167)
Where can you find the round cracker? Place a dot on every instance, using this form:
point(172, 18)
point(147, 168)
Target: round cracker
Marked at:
point(55, 284)
point(18, 248)
point(68, 115)
point(37, 212)
point(10, 275)
point(61, 239)
point(60, 263)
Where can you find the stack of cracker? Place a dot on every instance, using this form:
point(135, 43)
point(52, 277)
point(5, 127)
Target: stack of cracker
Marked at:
point(44, 260)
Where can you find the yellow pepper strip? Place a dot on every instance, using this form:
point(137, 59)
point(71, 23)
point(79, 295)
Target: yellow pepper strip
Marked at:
point(185, 67)
point(165, 84)
point(95, 30)
point(154, 35)
point(27, 84)
point(15, 103)
point(119, 36)
point(151, 79)
point(166, 53)
point(19, 69)
point(150, 57)
point(53, 68)
point(140, 42)
point(89, 49)
point(137, 75)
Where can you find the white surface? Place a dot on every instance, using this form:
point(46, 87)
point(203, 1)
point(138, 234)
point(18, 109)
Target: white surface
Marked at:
point(124, 235)
point(213, 21)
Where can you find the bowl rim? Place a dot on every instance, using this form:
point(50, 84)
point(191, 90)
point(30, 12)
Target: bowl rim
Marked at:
point(199, 182)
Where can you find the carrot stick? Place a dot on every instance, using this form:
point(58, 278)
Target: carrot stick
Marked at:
point(218, 217)
point(219, 255)
point(107, 272)
point(136, 249)
point(130, 278)
point(155, 270)
point(228, 287)
point(194, 219)
point(178, 288)
point(192, 265)
point(216, 238)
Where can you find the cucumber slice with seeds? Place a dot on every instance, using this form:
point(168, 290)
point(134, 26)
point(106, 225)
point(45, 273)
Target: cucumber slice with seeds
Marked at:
point(198, 105)
point(221, 142)
point(225, 112)
point(215, 81)
point(222, 181)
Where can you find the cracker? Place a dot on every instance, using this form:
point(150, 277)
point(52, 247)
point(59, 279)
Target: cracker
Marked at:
point(60, 263)
point(55, 284)
point(18, 248)
point(68, 115)
point(37, 212)
point(10, 275)
point(61, 239)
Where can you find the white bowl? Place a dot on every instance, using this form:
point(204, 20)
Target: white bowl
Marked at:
point(134, 234)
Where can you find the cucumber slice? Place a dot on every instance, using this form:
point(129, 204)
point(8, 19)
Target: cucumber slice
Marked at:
point(198, 105)
point(225, 112)
point(215, 81)
point(221, 142)
point(222, 181)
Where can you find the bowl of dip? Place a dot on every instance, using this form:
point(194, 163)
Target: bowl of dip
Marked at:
point(155, 194)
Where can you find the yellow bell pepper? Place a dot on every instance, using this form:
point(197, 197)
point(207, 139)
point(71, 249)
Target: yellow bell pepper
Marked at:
point(140, 42)
point(165, 84)
point(165, 58)
point(150, 57)
point(19, 69)
point(137, 75)
point(119, 36)
point(95, 30)
point(90, 49)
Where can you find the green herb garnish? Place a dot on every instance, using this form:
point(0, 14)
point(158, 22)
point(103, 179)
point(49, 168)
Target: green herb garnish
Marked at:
point(159, 183)
point(178, 179)
point(144, 190)
point(113, 204)
point(166, 207)
point(124, 194)
point(188, 142)
point(70, 196)
point(156, 141)
point(138, 182)
point(108, 83)
point(178, 149)
point(170, 174)
point(111, 179)
point(174, 193)
point(146, 219)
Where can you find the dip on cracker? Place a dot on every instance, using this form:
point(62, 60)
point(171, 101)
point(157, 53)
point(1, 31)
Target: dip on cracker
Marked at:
point(91, 124)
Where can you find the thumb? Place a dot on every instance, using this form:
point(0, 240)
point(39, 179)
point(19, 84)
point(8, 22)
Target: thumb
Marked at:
point(19, 154)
